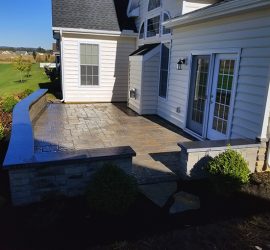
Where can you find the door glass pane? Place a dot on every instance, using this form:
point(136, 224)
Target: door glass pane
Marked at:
point(198, 93)
point(200, 90)
point(223, 95)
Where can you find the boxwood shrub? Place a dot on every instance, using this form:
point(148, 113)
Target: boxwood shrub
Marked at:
point(9, 103)
point(111, 191)
point(229, 171)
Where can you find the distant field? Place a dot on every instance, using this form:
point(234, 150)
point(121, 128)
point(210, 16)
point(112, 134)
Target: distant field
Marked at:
point(10, 80)
point(10, 58)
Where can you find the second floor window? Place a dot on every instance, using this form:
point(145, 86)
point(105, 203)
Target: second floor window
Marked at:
point(141, 36)
point(153, 25)
point(166, 18)
point(153, 4)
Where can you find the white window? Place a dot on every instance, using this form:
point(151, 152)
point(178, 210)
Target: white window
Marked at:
point(89, 63)
point(153, 4)
point(141, 36)
point(153, 26)
point(166, 17)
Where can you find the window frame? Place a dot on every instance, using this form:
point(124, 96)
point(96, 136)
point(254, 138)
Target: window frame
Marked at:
point(212, 53)
point(160, 5)
point(146, 29)
point(88, 42)
point(162, 26)
point(169, 69)
point(142, 26)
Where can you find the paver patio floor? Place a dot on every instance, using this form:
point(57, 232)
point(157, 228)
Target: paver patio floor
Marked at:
point(84, 126)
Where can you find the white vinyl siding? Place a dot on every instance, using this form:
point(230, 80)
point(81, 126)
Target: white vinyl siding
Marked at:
point(249, 32)
point(113, 69)
point(150, 85)
point(135, 80)
point(144, 77)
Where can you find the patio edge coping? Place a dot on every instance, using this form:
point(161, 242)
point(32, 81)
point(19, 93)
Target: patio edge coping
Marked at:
point(21, 144)
point(205, 146)
point(21, 153)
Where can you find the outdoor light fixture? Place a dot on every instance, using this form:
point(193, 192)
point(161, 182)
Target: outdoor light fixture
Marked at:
point(181, 62)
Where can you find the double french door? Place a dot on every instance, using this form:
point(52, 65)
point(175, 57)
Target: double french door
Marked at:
point(211, 95)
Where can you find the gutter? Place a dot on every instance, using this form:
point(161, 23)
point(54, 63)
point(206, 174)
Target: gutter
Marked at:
point(214, 11)
point(123, 33)
point(62, 66)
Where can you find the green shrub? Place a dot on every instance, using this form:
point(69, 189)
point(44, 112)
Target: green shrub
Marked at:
point(25, 93)
point(9, 103)
point(111, 190)
point(229, 171)
point(2, 131)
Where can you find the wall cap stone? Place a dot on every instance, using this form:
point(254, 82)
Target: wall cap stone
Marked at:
point(204, 146)
point(21, 145)
point(78, 156)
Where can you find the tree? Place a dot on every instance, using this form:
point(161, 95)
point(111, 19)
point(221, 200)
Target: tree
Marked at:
point(20, 65)
point(40, 50)
point(34, 54)
point(28, 67)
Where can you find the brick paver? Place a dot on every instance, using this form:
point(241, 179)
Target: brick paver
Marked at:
point(85, 126)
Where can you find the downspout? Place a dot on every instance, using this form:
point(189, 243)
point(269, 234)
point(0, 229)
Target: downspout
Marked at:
point(62, 65)
point(267, 164)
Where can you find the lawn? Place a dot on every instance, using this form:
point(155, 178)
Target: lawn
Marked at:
point(10, 80)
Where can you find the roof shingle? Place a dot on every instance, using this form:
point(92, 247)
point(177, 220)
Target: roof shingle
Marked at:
point(92, 14)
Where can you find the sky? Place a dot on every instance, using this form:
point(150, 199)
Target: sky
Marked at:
point(26, 23)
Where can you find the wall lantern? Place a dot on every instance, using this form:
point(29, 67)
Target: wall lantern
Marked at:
point(181, 62)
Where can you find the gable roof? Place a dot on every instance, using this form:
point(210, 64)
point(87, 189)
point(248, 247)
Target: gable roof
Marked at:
point(220, 9)
point(109, 15)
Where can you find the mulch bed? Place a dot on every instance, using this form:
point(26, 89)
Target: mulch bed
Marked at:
point(6, 120)
point(241, 221)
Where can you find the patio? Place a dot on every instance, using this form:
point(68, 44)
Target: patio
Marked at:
point(67, 127)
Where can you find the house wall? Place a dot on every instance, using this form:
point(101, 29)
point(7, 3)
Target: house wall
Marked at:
point(189, 5)
point(150, 85)
point(113, 82)
point(173, 8)
point(135, 81)
point(249, 32)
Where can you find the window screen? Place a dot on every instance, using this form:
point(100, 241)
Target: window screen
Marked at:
point(89, 62)
point(153, 26)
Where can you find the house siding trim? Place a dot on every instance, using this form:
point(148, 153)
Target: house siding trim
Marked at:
point(222, 10)
point(124, 33)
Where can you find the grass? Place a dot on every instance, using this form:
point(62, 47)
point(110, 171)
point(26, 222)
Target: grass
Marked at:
point(10, 80)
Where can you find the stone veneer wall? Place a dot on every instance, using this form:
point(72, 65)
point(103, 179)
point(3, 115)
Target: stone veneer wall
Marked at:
point(37, 108)
point(194, 160)
point(38, 183)
point(262, 163)
point(38, 176)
